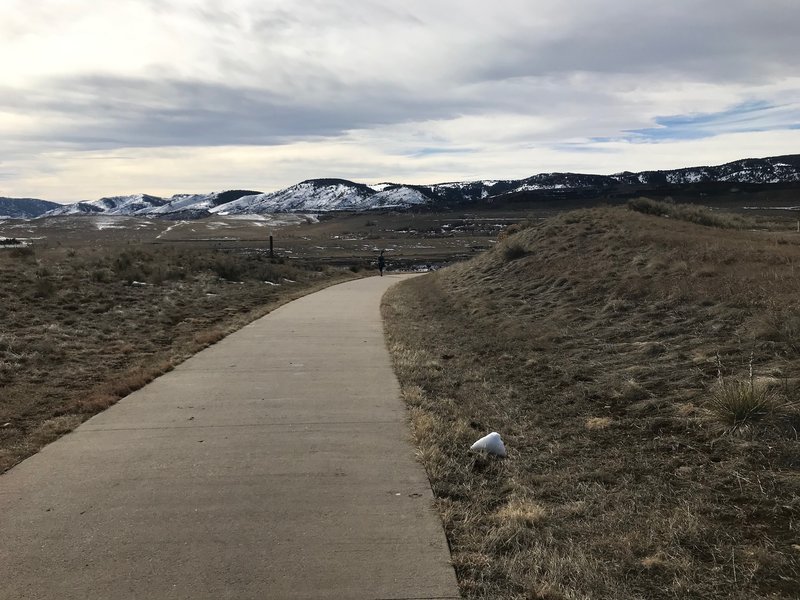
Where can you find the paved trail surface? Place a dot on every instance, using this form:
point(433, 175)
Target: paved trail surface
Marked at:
point(273, 465)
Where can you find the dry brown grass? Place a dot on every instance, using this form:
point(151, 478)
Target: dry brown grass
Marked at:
point(688, 212)
point(598, 423)
point(76, 333)
point(594, 354)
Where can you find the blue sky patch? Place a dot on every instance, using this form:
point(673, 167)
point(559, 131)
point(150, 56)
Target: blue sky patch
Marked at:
point(434, 151)
point(747, 117)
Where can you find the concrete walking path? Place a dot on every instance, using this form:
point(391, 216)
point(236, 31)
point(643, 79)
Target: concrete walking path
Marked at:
point(275, 464)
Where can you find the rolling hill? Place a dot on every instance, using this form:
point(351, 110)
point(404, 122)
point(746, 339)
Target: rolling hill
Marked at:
point(331, 195)
point(643, 373)
point(25, 208)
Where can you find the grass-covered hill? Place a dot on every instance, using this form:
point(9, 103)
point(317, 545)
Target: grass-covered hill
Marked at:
point(643, 372)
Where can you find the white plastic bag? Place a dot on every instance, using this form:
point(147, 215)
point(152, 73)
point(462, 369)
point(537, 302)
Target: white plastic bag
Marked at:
point(492, 443)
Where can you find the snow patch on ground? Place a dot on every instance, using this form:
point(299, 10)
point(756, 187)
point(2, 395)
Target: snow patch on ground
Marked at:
point(170, 228)
point(101, 223)
point(250, 217)
point(771, 208)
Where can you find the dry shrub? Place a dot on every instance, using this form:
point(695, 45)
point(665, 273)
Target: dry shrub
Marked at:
point(515, 228)
point(95, 402)
point(781, 326)
point(738, 402)
point(112, 391)
point(208, 337)
point(688, 212)
point(138, 378)
point(513, 250)
point(227, 267)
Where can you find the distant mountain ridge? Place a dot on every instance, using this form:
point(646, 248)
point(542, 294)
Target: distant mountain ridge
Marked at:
point(329, 195)
point(186, 205)
point(24, 208)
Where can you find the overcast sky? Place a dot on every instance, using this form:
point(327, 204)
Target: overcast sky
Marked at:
point(169, 96)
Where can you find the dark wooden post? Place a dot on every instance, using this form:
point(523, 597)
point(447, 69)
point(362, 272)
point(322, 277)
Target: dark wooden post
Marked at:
point(271, 252)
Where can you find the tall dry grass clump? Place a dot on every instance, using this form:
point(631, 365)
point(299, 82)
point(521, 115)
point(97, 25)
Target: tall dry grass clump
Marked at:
point(740, 402)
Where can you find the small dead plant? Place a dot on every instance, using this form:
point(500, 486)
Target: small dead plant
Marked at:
point(738, 402)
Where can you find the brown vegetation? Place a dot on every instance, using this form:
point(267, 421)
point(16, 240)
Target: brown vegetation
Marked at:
point(613, 351)
point(688, 212)
point(83, 327)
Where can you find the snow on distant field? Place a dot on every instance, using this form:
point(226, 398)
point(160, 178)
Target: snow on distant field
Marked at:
point(170, 228)
point(102, 223)
point(791, 208)
point(247, 217)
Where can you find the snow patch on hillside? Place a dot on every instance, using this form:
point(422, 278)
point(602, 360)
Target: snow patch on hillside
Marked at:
point(398, 197)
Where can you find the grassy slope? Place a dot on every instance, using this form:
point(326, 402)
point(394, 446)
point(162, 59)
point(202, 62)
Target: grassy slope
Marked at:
point(75, 335)
point(590, 342)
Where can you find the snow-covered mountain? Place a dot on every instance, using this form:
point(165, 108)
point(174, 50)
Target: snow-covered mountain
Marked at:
point(326, 195)
point(307, 196)
point(113, 205)
point(179, 205)
point(779, 169)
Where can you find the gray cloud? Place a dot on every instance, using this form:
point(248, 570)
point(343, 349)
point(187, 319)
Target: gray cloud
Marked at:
point(326, 14)
point(708, 41)
point(112, 112)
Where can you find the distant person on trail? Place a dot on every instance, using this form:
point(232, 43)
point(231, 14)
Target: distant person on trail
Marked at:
point(381, 263)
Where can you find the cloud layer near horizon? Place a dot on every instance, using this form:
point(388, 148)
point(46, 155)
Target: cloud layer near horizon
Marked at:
point(181, 95)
